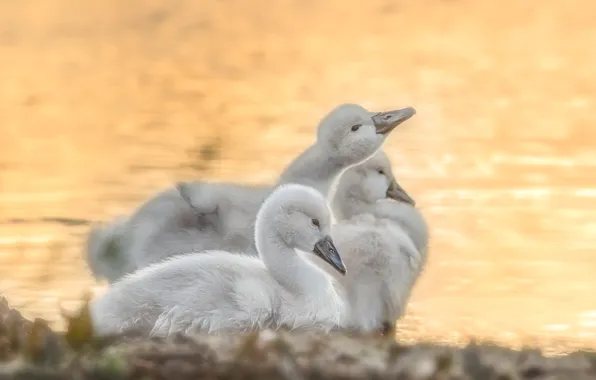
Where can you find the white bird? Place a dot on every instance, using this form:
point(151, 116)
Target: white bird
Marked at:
point(220, 292)
point(200, 216)
point(383, 239)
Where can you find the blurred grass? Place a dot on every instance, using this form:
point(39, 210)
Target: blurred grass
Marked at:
point(32, 350)
point(104, 103)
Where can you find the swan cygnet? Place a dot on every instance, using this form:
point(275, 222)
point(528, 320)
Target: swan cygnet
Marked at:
point(199, 215)
point(383, 239)
point(225, 292)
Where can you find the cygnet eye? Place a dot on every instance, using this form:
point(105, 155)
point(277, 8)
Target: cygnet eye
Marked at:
point(315, 223)
point(356, 127)
point(381, 171)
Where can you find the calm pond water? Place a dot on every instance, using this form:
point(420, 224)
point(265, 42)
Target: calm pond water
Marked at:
point(103, 104)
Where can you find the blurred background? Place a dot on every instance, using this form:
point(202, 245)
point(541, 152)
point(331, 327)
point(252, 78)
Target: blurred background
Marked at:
point(103, 103)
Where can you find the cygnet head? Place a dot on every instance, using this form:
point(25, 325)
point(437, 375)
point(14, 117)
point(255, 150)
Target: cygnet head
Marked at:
point(352, 134)
point(298, 216)
point(367, 183)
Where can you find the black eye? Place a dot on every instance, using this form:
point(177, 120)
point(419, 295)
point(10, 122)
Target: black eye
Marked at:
point(381, 172)
point(356, 127)
point(315, 223)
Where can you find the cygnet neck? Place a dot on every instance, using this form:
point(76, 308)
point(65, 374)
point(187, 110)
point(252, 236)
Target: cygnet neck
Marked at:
point(316, 167)
point(348, 203)
point(287, 267)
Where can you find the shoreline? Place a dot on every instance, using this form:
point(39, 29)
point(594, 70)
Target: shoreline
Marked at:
point(31, 350)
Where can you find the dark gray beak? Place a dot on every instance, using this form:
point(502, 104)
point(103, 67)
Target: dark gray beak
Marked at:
point(396, 192)
point(326, 250)
point(385, 122)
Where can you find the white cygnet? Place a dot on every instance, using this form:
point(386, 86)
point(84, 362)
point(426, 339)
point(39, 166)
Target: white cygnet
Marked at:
point(219, 292)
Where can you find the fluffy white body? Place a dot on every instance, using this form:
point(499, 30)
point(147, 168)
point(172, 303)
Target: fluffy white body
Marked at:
point(383, 239)
point(384, 263)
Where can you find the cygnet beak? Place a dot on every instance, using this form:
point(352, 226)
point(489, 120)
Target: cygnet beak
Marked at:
point(326, 250)
point(385, 122)
point(396, 192)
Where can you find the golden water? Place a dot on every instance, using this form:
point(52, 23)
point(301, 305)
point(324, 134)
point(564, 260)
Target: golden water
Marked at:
point(104, 103)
